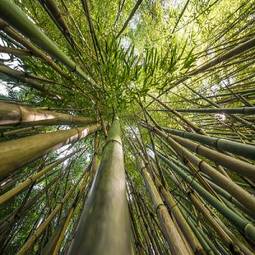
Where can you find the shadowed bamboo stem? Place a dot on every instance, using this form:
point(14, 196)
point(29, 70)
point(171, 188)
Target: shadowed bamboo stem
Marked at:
point(241, 149)
point(240, 194)
point(29, 243)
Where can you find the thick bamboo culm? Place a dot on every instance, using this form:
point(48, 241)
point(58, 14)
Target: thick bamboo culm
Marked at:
point(243, 110)
point(13, 156)
point(240, 194)
point(15, 114)
point(31, 179)
point(220, 144)
point(107, 202)
point(241, 223)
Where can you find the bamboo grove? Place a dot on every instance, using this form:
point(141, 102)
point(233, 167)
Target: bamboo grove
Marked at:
point(127, 127)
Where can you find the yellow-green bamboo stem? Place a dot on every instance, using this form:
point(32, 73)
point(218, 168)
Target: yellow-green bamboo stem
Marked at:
point(31, 179)
point(106, 208)
point(184, 226)
point(14, 114)
point(173, 237)
point(29, 243)
point(17, 153)
point(62, 233)
point(240, 194)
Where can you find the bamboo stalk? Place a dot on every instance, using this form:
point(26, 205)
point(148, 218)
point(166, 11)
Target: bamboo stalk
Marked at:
point(240, 194)
point(29, 81)
point(62, 233)
point(17, 153)
point(29, 243)
point(173, 237)
point(30, 47)
point(211, 220)
point(16, 114)
point(106, 206)
point(239, 166)
point(16, 52)
point(223, 144)
point(244, 225)
point(174, 209)
point(19, 20)
point(181, 117)
point(241, 110)
point(31, 179)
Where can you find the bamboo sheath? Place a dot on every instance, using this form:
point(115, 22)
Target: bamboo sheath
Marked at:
point(29, 243)
point(244, 225)
point(221, 144)
point(15, 114)
point(239, 193)
point(17, 153)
